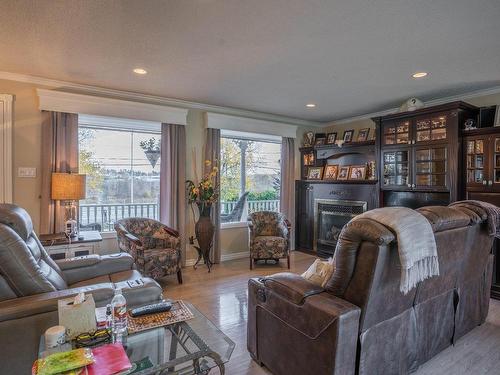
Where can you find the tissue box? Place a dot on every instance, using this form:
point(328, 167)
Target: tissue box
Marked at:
point(78, 318)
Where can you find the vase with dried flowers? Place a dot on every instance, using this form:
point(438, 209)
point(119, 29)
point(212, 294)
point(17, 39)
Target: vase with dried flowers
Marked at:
point(203, 194)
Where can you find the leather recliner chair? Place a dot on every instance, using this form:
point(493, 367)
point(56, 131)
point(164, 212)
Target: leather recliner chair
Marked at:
point(31, 283)
point(361, 323)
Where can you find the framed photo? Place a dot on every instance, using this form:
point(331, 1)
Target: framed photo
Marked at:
point(357, 172)
point(308, 139)
point(363, 135)
point(315, 173)
point(348, 136)
point(331, 138)
point(320, 141)
point(331, 172)
point(343, 173)
point(309, 158)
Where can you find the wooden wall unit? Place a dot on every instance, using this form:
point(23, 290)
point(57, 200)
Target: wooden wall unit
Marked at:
point(309, 191)
point(420, 155)
point(482, 179)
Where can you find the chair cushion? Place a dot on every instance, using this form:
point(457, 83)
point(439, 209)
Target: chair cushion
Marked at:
point(269, 247)
point(159, 262)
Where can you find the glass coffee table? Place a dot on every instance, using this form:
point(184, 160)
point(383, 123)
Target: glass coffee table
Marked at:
point(191, 347)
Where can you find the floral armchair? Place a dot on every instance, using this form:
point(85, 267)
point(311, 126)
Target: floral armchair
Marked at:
point(156, 248)
point(269, 237)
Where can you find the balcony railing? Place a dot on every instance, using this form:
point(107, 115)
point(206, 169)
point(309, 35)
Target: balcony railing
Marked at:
point(102, 217)
point(253, 206)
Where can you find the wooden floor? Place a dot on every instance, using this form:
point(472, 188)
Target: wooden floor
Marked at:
point(222, 297)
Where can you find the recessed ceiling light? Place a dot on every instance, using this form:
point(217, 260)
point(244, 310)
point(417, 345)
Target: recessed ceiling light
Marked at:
point(419, 74)
point(310, 105)
point(140, 71)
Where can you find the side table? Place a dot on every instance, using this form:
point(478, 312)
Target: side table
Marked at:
point(60, 247)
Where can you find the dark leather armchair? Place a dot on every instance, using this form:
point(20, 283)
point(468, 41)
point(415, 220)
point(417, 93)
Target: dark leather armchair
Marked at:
point(31, 283)
point(361, 323)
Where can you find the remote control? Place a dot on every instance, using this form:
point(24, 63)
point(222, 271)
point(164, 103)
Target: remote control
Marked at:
point(151, 309)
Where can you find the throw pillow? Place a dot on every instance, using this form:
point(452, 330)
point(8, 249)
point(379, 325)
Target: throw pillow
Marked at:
point(320, 271)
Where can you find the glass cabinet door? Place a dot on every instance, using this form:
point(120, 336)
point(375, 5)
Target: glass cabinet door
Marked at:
point(430, 129)
point(496, 161)
point(430, 167)
point(395, 168)
point(396, 133)
point(475, 161)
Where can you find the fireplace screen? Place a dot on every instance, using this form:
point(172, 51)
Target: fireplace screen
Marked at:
point(330, 216)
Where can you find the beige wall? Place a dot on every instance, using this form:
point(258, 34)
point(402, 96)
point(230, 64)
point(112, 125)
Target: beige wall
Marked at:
point(27, 145)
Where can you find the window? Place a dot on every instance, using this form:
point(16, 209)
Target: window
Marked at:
point(249, 164)
point(122, 181)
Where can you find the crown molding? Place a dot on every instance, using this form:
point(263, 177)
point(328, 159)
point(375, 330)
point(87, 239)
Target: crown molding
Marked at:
point(152, 99)
point(468, 95)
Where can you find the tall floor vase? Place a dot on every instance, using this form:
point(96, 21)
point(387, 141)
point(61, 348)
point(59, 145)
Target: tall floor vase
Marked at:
point(204, 230)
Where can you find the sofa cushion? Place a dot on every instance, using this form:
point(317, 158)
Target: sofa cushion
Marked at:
point(92, 281)
point(128, 275)
point(444, 218)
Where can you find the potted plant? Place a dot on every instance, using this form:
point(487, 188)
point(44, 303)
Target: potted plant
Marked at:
point(151, 149)
point(203, 194)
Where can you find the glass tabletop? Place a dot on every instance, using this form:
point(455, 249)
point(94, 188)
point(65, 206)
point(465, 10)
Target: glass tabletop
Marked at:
point(191, 347)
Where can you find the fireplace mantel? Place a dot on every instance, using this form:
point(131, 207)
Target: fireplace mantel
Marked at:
point(309, 191)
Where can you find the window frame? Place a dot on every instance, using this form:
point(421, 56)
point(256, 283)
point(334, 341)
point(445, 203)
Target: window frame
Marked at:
point(255, 137)
point(116, 124)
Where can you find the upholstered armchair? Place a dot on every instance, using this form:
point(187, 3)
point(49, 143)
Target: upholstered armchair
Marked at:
point(156, 248)
point(269, 237)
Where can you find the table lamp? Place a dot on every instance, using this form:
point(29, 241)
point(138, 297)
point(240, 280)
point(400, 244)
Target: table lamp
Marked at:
point(69, 187)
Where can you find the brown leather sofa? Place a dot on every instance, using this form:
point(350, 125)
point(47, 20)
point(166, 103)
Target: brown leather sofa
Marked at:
point(31, 283)
point(361, 323)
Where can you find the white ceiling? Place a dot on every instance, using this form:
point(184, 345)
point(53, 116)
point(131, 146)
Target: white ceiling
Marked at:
point(349, 57)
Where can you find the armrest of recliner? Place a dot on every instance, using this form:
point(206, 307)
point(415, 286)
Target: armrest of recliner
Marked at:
point(288, 303)
point(90, 266)
point(17, 308)
point(291, 286)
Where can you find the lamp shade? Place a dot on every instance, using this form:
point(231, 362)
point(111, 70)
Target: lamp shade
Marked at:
point(68, 186)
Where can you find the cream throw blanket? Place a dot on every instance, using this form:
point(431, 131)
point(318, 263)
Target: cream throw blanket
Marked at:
point(416, 243)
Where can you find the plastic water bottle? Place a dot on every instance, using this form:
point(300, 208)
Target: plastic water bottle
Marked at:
point(119, 307)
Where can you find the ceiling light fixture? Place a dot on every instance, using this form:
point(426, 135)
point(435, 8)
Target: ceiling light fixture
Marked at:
point(419, 75)
point(310, 105)
point(140, 71)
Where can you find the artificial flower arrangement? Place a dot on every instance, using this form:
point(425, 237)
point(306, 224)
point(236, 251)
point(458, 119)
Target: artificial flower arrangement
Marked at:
point(205, 192)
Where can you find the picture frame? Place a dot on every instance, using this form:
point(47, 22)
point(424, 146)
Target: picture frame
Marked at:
point(309, 158)
point(363, 135)
point(343, 173)
point(348, 134)
point(315, 173)
point(308, 139)
point(331, 172)
point(357, 172)
point(320, 141)
point(331, 138)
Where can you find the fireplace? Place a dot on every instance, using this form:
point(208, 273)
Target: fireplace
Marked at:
point(330, 216)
